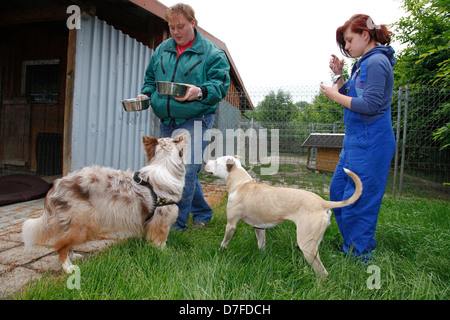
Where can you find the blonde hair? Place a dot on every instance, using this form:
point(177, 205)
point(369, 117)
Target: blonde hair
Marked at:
point(181, 8)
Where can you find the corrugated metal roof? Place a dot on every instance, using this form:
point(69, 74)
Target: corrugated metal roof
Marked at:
point(110, 66)
point(324, 140)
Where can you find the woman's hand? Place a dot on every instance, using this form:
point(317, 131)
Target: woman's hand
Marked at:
point(336, 65)
point(332, 93)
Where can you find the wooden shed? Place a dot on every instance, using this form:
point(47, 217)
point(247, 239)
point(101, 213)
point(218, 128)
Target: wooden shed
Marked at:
point(323, 151)
point(61, 86)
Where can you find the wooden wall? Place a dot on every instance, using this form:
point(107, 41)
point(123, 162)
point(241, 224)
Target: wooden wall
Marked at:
point(19, 43)
point(233, 95)
point(327, 159)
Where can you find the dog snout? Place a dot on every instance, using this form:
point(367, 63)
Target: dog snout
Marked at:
point(209, 166)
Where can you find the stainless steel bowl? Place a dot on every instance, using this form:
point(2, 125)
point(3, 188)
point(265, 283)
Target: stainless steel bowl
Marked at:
point(134, 104)
point(172, 88)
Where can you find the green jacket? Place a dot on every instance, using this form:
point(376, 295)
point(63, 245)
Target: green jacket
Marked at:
point(203, 65)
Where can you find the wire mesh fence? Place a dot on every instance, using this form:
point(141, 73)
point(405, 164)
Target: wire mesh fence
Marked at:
point(290, 128)
point(421, 111)
point(310, 132)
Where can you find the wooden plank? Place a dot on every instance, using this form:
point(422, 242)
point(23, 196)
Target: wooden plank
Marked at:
point(30, 15)
point(15, 131)
point(68, 104)
point(327, 159)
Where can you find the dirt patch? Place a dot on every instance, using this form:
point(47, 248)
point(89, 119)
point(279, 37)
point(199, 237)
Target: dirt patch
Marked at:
point(213, 194)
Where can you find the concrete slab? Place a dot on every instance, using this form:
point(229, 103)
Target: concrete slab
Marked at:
point(14, 237)
point(18, 256)
point(5, 245)
point(12, 216)
point(12, 281)
point(4, 268)
point(48, 263)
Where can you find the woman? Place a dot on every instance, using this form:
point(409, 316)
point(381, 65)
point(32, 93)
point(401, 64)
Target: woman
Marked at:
point(188, 58)
point(369, 142)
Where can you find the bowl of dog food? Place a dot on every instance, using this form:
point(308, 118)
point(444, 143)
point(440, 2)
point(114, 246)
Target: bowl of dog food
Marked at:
point(172, 88)
point(134, 104)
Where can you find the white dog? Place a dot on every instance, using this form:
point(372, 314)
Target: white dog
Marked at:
point(262, 207)
point(96, 200)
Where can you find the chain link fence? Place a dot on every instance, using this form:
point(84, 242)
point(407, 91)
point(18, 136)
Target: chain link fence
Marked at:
point(290, 129)
point(420, 163)
point(310, 132)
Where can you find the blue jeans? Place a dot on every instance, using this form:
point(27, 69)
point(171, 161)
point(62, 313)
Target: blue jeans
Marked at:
point(192, 200)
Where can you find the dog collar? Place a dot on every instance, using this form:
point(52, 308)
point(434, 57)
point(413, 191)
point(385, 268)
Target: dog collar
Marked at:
point(158, 202)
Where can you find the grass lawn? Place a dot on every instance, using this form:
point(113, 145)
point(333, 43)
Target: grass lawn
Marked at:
point(412, 262)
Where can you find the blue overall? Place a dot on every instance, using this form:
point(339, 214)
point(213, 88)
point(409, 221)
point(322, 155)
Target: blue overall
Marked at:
point(368, 149)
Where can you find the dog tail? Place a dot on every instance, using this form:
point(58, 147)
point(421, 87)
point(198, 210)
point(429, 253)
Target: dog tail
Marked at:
point(35, 231)
point(353, 198)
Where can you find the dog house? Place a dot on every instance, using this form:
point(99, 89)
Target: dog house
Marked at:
point(65, 66)
point(323, 151)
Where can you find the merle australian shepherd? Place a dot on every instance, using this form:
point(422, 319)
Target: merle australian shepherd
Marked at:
point(98, 200)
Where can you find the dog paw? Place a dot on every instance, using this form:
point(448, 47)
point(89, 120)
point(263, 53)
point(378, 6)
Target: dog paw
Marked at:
point(68, 268)
point(75, 256)
point(160, 245)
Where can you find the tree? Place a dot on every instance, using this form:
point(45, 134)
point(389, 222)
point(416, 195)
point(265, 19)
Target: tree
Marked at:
point(426, 60)
point(425, 30)
point(277, 111)
point(322, 110)
point(443, 134)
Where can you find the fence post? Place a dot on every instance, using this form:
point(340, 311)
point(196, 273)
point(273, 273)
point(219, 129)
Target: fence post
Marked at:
point(399, 112)
point(405, 121)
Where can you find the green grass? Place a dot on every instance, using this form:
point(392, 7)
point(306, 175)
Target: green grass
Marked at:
point(413, 259)
point(296, 175)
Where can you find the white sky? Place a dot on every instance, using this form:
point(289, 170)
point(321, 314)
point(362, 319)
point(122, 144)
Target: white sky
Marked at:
point(284, 43)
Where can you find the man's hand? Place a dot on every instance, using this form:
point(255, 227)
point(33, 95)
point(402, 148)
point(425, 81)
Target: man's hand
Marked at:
point(191, 94)
point(142, 96)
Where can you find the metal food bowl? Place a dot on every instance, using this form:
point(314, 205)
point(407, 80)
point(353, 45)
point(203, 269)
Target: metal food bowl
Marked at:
point(134, 104)
point(172, 88)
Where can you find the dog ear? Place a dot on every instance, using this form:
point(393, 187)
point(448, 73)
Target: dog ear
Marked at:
point(183, 138)
point(237, 157)
point(150, 144)
point(180, 137)
point(230, 164)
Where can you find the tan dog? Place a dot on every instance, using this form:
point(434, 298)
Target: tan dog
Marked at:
point(95, 200)
point(262, 207)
